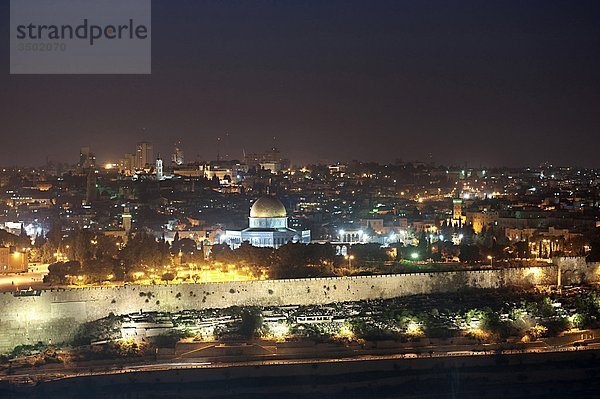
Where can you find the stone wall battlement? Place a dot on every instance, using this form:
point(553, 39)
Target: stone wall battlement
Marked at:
point(56, 313)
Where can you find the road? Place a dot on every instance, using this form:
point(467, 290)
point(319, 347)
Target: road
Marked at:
point(22, 281)
point(56, 372)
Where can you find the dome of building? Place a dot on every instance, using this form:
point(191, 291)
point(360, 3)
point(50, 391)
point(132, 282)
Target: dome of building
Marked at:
point(267, 207)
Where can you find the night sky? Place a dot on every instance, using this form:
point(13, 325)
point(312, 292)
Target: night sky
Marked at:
point(489, 83)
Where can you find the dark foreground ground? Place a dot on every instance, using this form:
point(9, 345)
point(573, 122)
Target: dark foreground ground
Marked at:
point(539, 375)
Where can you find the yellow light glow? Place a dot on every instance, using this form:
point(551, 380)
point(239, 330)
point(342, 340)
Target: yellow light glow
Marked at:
point(535, 272)
point(279, 331)
point(478, 333)
point(345, 332)
point(414, 328)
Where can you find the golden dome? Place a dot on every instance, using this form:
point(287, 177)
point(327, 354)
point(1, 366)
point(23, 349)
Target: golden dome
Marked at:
point(267, 207)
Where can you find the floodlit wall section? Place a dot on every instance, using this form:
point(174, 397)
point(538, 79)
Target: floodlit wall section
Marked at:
point(55, 314)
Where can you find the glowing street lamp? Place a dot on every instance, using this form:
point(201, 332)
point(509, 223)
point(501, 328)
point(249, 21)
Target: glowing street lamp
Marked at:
point(413, 328)
point(491, 258)
point(349, 257)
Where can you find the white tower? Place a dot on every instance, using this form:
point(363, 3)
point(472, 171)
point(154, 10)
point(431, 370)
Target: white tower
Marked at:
point(159, 169)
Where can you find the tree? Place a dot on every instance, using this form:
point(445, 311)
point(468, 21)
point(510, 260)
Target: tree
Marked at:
point(39, 241)
point(594, 255)
point(423, 246)
point(168, 277)
point(222, 253)
point(490, 321)
point(24, 237)
point(252, 322)
point(469, 253)
point(78, 245)
point(98, 270)
point(54, 236)
point(142, 251)
point(58, 272)
point(537, 332)
point(7, 238)
point(297, 260)
point(521, 249)
point(369, 252)
point(106, 247)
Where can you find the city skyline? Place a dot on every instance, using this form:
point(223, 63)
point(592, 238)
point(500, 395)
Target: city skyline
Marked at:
point(166, 154)
point(343, 198)
point(506, 84)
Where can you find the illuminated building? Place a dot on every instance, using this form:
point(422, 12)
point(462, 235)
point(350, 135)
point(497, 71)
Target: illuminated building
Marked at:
point(87, 159)
point(126, 220)
point(269, 160)
point(481, 220)
point(268, 227)
point(227, 172)
point(458, 219)
point(127, 164)
point(144, 155)
point(33, 201)
point(338, 169)
point(177, 157)
point(13, 261)
point(190, 170)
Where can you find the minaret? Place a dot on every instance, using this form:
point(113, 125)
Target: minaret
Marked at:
point(159, 168)
point(126, 220)
point(218, 149)
point(457, 205)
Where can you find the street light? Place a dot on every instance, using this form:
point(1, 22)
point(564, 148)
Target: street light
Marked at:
point(491, 258)
point(349, 257)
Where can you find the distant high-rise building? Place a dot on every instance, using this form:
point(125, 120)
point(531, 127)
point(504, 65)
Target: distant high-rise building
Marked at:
point(87, 159)
point(127, 164)
point(271, 159)
point(177, 156)
point(144, 155)
point(91, 189)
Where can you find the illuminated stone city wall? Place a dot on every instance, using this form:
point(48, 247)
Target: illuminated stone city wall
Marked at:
point(55, 314)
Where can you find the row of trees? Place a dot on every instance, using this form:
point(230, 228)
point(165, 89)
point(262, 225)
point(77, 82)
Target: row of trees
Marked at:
point(19, 241)
point(100, 257)
point(288, 261)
